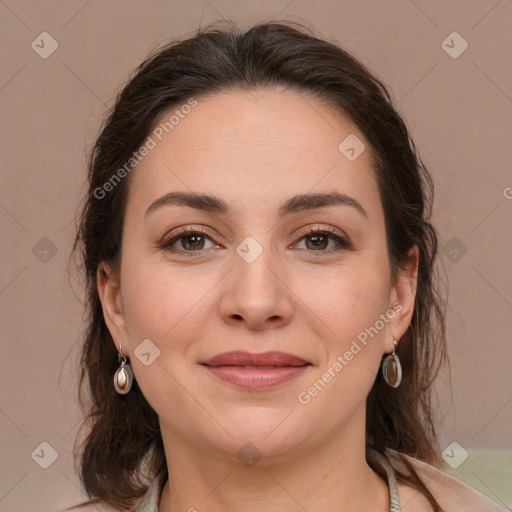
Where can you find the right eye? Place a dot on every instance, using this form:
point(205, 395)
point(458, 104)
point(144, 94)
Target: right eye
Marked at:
point(187, 240)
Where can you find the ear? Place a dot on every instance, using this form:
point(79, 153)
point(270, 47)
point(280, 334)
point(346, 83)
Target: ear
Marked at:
point(109, 292)
point(402, 298)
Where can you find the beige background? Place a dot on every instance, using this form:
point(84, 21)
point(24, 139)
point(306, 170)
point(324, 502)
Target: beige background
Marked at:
point(459, 111)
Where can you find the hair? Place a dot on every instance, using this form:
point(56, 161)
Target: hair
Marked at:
point(123, 430)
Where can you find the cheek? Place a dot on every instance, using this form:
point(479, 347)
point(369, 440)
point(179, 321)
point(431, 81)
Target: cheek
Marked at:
point(347, 302)
point(169, 311)
point(160, 306)
point(351, 333)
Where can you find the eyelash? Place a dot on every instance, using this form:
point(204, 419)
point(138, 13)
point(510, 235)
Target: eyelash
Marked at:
point(169, 240)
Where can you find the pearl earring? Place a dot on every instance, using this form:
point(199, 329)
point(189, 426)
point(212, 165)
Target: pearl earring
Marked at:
point(123, 378)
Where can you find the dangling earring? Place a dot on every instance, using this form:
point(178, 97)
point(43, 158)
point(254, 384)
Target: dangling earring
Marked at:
point(391, 368)
point(123, 377)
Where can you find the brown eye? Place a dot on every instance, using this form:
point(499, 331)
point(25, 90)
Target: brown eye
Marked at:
point(192, 242)
point(187, 241)
point(317, 242)
point(324, 240)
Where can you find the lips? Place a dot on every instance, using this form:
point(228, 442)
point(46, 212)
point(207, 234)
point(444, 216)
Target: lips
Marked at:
point(270, 359)
point(256, 371)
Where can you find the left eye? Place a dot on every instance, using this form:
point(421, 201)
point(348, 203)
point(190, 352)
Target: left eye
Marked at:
point(320, 240)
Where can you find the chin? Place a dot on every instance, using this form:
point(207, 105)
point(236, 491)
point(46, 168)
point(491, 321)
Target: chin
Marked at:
point(260, 432)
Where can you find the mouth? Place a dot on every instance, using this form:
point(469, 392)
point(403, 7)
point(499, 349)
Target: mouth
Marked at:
point(256, 371)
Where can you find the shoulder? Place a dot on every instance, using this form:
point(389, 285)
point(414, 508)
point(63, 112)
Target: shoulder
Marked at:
point(451, 494)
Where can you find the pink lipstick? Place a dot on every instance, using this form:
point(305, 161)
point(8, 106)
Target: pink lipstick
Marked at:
point(256, 371)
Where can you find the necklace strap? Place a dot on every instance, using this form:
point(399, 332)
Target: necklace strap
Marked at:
point(390, 472)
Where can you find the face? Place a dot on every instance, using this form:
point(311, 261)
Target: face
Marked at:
point(284, 263)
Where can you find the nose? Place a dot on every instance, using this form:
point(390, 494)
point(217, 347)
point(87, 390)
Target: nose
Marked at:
point(256, 295)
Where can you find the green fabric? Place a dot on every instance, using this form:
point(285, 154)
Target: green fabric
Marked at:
point(487, 471)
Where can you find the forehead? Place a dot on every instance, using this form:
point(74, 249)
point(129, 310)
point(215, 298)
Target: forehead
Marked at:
point(253, 146)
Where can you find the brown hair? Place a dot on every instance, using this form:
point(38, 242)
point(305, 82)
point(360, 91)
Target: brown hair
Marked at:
point(123, 430)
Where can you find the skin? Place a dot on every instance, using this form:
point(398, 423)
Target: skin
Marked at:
point(255, 150)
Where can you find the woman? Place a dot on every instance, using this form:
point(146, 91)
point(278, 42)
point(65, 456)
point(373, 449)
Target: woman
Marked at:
point(262, 287)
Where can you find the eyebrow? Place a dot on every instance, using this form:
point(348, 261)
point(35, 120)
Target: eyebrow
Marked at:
point(297, 203)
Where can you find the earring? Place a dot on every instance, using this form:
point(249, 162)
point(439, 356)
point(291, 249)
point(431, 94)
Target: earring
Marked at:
point(123, 377)
point(391, 368)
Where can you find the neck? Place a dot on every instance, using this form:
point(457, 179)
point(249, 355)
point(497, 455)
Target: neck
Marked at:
point(332, 476)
